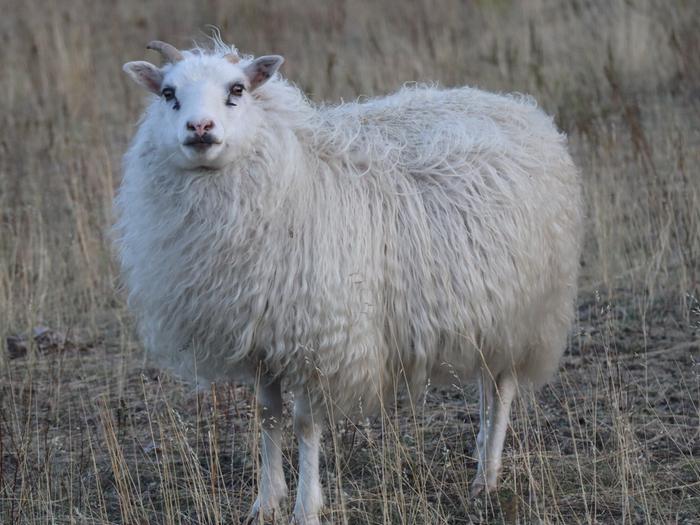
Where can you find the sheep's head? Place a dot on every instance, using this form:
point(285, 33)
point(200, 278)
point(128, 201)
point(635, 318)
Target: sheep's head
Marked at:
point(207, 110)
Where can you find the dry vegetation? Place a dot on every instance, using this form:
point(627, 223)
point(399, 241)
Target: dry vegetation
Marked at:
point(89, 434)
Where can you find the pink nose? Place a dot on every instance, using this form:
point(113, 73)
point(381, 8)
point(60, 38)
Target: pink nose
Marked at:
point(201, 127)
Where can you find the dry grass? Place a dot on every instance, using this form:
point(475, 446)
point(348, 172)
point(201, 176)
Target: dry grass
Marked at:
point(88, 435)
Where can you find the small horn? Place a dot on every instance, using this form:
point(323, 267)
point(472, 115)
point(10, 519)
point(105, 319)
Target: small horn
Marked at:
point(169, 52)
point(233, 58)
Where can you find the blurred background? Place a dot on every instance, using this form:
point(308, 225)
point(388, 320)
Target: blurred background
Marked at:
point(84, 427)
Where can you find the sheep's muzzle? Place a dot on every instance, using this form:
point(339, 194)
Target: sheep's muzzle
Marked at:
point(201, 142)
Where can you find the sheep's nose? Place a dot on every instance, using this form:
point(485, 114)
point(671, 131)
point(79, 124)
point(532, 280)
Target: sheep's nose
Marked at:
point(201, 127)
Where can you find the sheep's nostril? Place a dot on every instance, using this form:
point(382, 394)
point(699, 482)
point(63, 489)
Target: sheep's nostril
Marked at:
point(201, 127)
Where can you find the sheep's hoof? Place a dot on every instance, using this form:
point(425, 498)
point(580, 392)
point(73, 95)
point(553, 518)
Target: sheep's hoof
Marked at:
point(305, 520)
point(479, 487)
point(257, 516)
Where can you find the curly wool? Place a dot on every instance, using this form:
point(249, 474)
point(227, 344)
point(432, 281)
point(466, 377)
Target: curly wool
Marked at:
point(359, 247)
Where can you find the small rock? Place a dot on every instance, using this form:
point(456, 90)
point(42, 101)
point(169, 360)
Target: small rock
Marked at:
point(16, 346)
point(45, 339)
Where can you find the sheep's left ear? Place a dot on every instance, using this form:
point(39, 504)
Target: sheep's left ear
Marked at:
point(261, 69)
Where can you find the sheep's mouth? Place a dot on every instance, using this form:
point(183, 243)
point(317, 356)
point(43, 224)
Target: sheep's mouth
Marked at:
point(201, 143)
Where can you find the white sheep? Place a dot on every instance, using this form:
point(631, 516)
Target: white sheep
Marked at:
point(344, 251)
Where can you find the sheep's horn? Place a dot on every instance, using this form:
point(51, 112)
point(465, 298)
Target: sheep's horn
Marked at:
point(169, 52)
point(233, 58)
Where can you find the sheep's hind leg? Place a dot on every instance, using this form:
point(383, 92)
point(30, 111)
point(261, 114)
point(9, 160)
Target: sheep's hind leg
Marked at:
point(496, 428)
point(307, 429)
point(272, 488)
point(486, 394)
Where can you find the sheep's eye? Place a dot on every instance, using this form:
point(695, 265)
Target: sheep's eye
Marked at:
point(169, 94)
point(236, 90)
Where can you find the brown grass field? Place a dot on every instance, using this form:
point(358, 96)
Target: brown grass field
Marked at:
point(91, 433)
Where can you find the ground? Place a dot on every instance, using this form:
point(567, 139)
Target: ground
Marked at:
point(90, 432)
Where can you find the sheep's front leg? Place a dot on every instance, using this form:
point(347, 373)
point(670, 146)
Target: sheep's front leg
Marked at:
point(491, 450)
point(272, 488)
point(307, 429)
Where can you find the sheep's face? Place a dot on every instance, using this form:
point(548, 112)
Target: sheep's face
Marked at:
point(206, 113)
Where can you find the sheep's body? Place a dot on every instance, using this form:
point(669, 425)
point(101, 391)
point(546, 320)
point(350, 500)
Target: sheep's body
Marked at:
point(428, 235)
point(413, 232)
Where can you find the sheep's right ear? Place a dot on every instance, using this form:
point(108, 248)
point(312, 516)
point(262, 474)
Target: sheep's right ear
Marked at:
point(145, 74)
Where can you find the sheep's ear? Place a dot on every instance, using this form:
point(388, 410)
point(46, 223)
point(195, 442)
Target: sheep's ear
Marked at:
point(261, 69)
point(145, 74)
